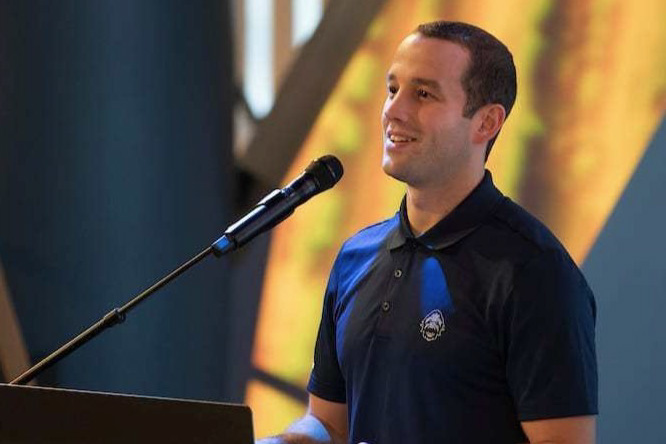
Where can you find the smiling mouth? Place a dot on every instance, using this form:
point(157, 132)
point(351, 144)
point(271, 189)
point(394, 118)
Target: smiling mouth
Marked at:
point(400, 139)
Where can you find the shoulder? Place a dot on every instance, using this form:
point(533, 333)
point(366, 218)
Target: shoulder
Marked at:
point(372, 237)
point(361, 250)
point(513, 247)
point(512, 233)
point(541, 264)
point(516, 219)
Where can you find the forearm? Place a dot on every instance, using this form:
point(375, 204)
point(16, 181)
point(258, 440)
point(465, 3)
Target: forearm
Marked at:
point(291, 438)
point(307, 430)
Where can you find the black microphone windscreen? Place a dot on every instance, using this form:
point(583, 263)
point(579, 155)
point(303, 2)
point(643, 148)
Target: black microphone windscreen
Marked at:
point(327, 171)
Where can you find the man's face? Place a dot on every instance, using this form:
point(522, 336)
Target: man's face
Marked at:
point(426, 137)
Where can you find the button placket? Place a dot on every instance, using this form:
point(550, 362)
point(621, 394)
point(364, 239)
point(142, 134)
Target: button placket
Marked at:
point(400, 261)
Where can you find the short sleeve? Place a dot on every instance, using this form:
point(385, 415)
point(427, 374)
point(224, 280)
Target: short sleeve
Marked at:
point(549, 340)
point(326, 380)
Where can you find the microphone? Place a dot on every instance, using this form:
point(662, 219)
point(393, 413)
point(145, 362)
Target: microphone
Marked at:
point(279, 204)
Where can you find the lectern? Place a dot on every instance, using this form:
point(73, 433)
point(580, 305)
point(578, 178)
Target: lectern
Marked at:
point(39, 415)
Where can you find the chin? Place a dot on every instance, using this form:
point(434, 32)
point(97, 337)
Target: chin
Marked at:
point(393, 170)
point(388, 165)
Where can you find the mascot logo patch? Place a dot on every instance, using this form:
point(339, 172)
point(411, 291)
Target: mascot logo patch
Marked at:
point(432, 325)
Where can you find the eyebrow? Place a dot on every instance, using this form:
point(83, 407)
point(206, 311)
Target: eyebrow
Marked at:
point(419, 81)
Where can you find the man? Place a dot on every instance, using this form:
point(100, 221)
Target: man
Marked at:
point(461, 319)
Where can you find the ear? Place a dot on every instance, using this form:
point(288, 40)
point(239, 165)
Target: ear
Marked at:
point(487, 122)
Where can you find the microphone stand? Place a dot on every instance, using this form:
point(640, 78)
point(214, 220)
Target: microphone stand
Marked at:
point(320, 175)
point(114, 317)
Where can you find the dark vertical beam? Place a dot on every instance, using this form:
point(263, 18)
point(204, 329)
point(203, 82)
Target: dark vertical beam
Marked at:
point(116, 166)
point(282, 36)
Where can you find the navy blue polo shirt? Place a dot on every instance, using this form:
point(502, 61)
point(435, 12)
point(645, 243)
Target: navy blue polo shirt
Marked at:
point(459, 334)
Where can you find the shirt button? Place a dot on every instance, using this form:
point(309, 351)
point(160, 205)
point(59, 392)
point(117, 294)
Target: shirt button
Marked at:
point(397, 273)
point(386, 306)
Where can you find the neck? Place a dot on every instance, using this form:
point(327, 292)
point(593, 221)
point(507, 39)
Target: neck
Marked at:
point(428, 205)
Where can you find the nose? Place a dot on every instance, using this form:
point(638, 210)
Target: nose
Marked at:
point(396, 107)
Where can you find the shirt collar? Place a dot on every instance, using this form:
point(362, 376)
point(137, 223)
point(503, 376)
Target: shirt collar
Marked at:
point(460, 222)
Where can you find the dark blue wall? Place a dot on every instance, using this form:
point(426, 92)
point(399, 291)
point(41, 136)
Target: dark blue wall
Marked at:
point(627, 271)
point(115, 167)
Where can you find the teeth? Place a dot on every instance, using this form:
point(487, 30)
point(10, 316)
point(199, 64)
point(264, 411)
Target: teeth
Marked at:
point(394, 138)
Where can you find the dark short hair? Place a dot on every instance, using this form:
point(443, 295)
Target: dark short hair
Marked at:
point(491, 75)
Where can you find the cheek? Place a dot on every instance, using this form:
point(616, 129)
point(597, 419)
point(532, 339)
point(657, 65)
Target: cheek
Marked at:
point(448, 127)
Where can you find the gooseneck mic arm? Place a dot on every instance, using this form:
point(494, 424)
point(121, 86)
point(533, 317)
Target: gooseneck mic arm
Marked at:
point(319, 176)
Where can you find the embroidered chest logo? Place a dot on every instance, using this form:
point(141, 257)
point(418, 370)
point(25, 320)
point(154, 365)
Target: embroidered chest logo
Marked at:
point(432, 325)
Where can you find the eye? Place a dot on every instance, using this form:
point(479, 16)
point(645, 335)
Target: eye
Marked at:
point(423, 94)
point(391, 89)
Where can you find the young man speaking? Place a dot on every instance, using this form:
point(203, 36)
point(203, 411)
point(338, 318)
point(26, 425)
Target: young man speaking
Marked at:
point(461, 319)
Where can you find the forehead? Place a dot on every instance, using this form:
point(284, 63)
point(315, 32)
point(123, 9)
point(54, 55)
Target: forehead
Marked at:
point(429, 58)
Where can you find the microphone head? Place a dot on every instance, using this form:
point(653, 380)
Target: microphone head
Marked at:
point(327, 171)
